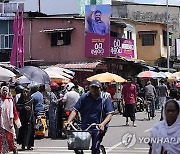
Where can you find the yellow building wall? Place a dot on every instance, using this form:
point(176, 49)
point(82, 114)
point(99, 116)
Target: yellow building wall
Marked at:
point(150, 53)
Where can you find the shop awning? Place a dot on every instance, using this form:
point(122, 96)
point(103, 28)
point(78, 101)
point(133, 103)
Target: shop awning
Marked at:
point(165, 69)
point(56, 30)
point(147, 32)
point(82, 66)
point(151, 68)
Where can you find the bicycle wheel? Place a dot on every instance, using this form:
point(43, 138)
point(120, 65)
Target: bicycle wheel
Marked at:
point(102, 149)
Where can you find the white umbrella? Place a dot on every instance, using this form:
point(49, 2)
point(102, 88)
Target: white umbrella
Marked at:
point(23, 80)
point(6, 75)
point(56, 77)
point(61, 71)
point(163, 74)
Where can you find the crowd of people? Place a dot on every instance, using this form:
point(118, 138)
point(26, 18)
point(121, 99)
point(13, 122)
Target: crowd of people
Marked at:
point(94, 104)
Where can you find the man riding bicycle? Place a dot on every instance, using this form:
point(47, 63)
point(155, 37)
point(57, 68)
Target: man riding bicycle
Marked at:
point(94, 108)
point(150, 94)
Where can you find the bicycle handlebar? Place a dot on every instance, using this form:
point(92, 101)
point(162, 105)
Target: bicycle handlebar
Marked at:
point(91, 125)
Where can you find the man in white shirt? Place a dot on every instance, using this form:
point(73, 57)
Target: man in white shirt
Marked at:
point(71, 97)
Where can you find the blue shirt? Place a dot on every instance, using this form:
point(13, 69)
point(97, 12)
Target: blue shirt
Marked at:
point(98, 27)
point(38, 102)
point(91, 109)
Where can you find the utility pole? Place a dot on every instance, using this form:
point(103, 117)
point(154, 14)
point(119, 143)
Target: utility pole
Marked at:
point(167, 26)
point(39, 5)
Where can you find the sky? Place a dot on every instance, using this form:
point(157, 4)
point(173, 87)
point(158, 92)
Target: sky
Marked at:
point(170, 2)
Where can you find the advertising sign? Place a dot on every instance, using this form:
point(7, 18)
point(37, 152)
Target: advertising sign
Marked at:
point(122, 47)
point(97, 30)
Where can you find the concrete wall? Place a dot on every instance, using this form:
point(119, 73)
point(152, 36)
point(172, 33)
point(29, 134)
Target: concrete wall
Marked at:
point(38, 45)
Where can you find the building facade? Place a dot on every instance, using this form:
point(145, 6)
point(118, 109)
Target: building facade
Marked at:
point(150, 13)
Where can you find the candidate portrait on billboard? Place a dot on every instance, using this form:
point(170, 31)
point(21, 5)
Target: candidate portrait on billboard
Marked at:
point(97, 19)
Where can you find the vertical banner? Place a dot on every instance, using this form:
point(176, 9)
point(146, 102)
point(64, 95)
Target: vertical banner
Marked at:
point(122, 47)
point(21, 40)
point(97, 30)
point(14, 52)
point(177, 48)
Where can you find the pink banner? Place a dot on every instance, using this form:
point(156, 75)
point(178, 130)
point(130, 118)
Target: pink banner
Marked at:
point(13, 59)
point(21, 41)
point(121, 47)
point(97, 30)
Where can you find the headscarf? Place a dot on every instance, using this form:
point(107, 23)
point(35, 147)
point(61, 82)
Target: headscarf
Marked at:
point(7, 96)
point(162, 130)
point(16, 116)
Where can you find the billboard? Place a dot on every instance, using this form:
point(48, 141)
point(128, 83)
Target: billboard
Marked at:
point(178, 48)
point(97, 30)
point(122, 47)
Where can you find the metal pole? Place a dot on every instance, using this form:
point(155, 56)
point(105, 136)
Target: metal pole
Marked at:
point(167, 24)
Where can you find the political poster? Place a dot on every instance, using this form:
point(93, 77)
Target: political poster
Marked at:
point(97, 30)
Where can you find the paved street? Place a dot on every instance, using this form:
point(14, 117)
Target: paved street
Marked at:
point(112, 141)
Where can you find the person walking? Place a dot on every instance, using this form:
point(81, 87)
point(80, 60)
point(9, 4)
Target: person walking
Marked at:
point(167, 130)
point(129, 95)
point(71, 97)
point(38, 100)
point(7, 131)
point(78, 88)
point(26, 113)
point(53, 131)
point(163, 93)
point(93, 109)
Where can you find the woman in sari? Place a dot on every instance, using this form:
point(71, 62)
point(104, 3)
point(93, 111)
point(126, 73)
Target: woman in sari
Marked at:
point(167, 130)
point(7, 132)
point(26, 114)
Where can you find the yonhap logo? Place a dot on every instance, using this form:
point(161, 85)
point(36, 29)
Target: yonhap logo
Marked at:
point(129, 140)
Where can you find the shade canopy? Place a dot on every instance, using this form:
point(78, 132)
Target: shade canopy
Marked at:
point(56, 77)
point(107, 77)
point(64, 72)
point(35, 74)
point(150, 74)
point(6, 75)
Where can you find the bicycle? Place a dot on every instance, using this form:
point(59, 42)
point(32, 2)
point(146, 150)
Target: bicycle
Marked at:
point(79, 140)
point(149, 108)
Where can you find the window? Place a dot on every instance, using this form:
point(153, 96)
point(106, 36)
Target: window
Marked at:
point(60, 38)
point(6, 41)
point(165, 38)
point(148, 39)
point(6, 34)
point(129, 34)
